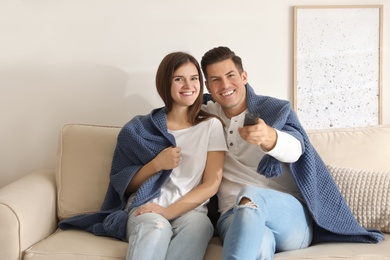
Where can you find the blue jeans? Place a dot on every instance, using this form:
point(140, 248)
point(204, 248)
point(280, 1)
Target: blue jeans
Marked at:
point(272, 222)
point(153, 237)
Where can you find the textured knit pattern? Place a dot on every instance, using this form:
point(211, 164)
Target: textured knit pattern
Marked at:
point(333, 219)
point(139, 141)
point(368, 195)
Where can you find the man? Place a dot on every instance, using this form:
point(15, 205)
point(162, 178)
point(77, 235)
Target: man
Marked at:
point(276, 193)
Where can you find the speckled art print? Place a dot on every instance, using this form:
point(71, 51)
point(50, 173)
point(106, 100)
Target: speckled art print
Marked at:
point(337, 66)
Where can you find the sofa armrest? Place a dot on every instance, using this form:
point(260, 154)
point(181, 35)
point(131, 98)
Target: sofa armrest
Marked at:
point(27, 213)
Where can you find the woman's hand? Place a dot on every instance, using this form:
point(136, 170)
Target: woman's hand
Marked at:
point(168, 158)
point(153, 208)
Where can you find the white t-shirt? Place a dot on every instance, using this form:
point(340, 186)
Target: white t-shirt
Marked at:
point(241, 161)
point(195, 142)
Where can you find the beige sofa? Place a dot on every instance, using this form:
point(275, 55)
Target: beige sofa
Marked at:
point(31, 207)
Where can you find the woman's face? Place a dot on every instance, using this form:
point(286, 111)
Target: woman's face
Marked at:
point(185, 85)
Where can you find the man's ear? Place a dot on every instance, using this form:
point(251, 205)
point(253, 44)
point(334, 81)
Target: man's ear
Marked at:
point(244, 77)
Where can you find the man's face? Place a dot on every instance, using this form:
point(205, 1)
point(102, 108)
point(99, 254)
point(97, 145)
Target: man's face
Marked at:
point(227, 86)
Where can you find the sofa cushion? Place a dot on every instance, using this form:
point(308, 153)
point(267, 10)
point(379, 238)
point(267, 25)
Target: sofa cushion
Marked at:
point(366, 148)
point(80, 245)
point(368, 195)
point(77, 245)
point(84, 163)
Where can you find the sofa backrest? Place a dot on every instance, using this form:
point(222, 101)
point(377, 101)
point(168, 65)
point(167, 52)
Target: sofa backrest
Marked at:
point(85, 154)
point(84, 161)
point(365, 148)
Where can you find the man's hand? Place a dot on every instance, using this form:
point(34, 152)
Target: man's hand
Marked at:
point(259, 134)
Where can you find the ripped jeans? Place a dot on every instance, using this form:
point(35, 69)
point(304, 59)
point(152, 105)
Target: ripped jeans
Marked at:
point(271, 222)
point(153, 237)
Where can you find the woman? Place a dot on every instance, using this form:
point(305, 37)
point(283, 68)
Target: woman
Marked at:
point(175, 168)
point(165, 167)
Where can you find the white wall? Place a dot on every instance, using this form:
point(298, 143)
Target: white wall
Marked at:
point(94, 61)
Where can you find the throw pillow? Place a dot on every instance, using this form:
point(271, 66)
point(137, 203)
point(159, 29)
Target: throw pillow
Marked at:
point(84, 163)
point(368, 195)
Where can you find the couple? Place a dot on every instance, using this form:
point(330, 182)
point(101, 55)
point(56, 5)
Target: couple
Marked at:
point(167, 165)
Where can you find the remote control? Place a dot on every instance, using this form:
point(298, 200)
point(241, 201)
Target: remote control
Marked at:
point(251, 119)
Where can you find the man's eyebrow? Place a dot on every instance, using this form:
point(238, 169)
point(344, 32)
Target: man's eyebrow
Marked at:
point(227, 73)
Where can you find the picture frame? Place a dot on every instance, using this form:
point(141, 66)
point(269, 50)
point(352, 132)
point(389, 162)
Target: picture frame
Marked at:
point(338, 65)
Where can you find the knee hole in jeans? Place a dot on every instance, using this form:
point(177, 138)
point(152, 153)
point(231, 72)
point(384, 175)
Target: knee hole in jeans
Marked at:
point(160, 224)
point(247, 203)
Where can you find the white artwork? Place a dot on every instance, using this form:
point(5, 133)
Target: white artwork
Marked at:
point(337, 66)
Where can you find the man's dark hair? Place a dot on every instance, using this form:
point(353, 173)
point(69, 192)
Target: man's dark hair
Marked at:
point(219, 54)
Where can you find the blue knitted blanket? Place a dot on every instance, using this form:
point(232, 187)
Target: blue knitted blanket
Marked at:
point(144, 137)
point(139, 141)
point(333, 218)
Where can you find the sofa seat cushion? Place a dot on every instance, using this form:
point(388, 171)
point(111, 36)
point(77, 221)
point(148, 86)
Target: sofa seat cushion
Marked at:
point(81, 245)
point(323, 251)
point(77, 245)
point(344, 251)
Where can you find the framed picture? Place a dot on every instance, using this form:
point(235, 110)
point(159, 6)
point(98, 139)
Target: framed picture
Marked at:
point(338, 65)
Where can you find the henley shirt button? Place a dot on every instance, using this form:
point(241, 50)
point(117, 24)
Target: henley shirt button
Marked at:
point(231, 132)
point(231, 144)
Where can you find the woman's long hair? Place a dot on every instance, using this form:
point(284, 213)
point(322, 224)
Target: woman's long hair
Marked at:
point(164, 78)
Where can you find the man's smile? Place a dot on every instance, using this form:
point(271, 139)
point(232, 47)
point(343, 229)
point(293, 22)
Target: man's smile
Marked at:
point(227, 93)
